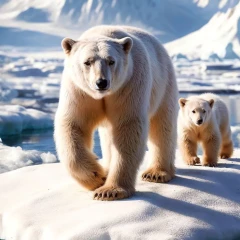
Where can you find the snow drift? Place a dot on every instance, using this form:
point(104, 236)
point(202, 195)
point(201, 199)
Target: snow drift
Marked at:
point(12, 158)
point(200, 203)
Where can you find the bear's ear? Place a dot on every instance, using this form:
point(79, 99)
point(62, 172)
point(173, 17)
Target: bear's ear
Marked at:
point(211, 102)
point(127, 43)
point(67, 44)
point(182, 102)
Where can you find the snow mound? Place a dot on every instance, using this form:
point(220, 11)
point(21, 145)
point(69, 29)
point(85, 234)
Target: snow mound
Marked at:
point(200, 203)
point(12, 158)
point(14, 119)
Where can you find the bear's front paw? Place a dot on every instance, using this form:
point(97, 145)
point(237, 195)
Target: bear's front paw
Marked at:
point(193, 160)
point(156, 175)
point(110, 193)
point(94, 178)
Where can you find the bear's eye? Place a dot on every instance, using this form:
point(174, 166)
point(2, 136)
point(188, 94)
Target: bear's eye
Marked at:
point(193, 111)
point(204, 110)
point(111, 62)
point(87, 63)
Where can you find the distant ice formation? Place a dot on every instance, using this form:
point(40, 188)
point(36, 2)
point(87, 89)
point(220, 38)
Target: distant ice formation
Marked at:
point(14, 119)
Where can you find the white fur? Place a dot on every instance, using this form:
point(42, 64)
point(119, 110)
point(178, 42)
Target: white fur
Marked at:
point(214, 132)
point(141, 101)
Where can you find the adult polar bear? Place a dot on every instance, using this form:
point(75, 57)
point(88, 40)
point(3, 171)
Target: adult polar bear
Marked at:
point(121, 79)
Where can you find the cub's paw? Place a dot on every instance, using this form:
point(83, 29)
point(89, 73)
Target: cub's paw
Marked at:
point(224, 156)
point(156, 175)
point(193, 160)
point(226, 150)
point(110, 193)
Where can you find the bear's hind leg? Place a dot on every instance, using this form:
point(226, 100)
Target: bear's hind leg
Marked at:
point(162, 145)
point(226, 146)
point(211, 147)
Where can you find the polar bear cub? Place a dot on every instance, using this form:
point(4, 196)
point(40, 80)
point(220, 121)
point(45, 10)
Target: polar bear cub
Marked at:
point(121, 81)
point(204, 119)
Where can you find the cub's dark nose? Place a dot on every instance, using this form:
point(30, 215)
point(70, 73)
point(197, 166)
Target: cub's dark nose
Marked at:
point(199, 121)
point(102, 84)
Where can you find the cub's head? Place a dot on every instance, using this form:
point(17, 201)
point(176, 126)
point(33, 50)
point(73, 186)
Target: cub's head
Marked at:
point(196, 110)
point(98, 66)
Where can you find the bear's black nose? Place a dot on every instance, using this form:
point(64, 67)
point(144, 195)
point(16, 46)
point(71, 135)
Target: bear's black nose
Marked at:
point(102, 84)
point(199, 121)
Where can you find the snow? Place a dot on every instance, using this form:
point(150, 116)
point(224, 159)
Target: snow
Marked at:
point(39, 75)
point(44, 202)
point(31, 78)
point(236, 135)
point(14, 119)
point(169, 20)
point(7, 94)
point(194, 28)
point(219, 37)
point(48, 157)
point(12, 158)
point(216, 76)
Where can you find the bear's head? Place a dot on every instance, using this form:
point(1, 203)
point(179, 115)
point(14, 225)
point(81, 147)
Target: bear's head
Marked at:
point(99, 66)
point(196, 111)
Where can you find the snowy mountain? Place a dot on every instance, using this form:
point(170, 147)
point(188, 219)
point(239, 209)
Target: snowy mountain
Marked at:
point(219, 38)
point(168, 19)
point(44, 23)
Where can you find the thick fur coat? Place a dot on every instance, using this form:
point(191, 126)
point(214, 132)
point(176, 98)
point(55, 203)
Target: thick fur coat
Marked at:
point(204, 119)
point(121, 80)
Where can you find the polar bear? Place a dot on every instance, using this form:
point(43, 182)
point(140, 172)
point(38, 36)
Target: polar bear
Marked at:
point(121, 80)
point(204, 119)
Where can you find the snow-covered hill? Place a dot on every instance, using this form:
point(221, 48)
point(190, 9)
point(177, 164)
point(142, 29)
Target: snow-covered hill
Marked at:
point(220, 37)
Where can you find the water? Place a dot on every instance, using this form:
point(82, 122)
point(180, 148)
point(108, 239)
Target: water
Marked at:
point(43, 140)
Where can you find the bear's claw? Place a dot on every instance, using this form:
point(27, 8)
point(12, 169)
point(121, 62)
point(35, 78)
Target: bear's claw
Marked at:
point(105, 193)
